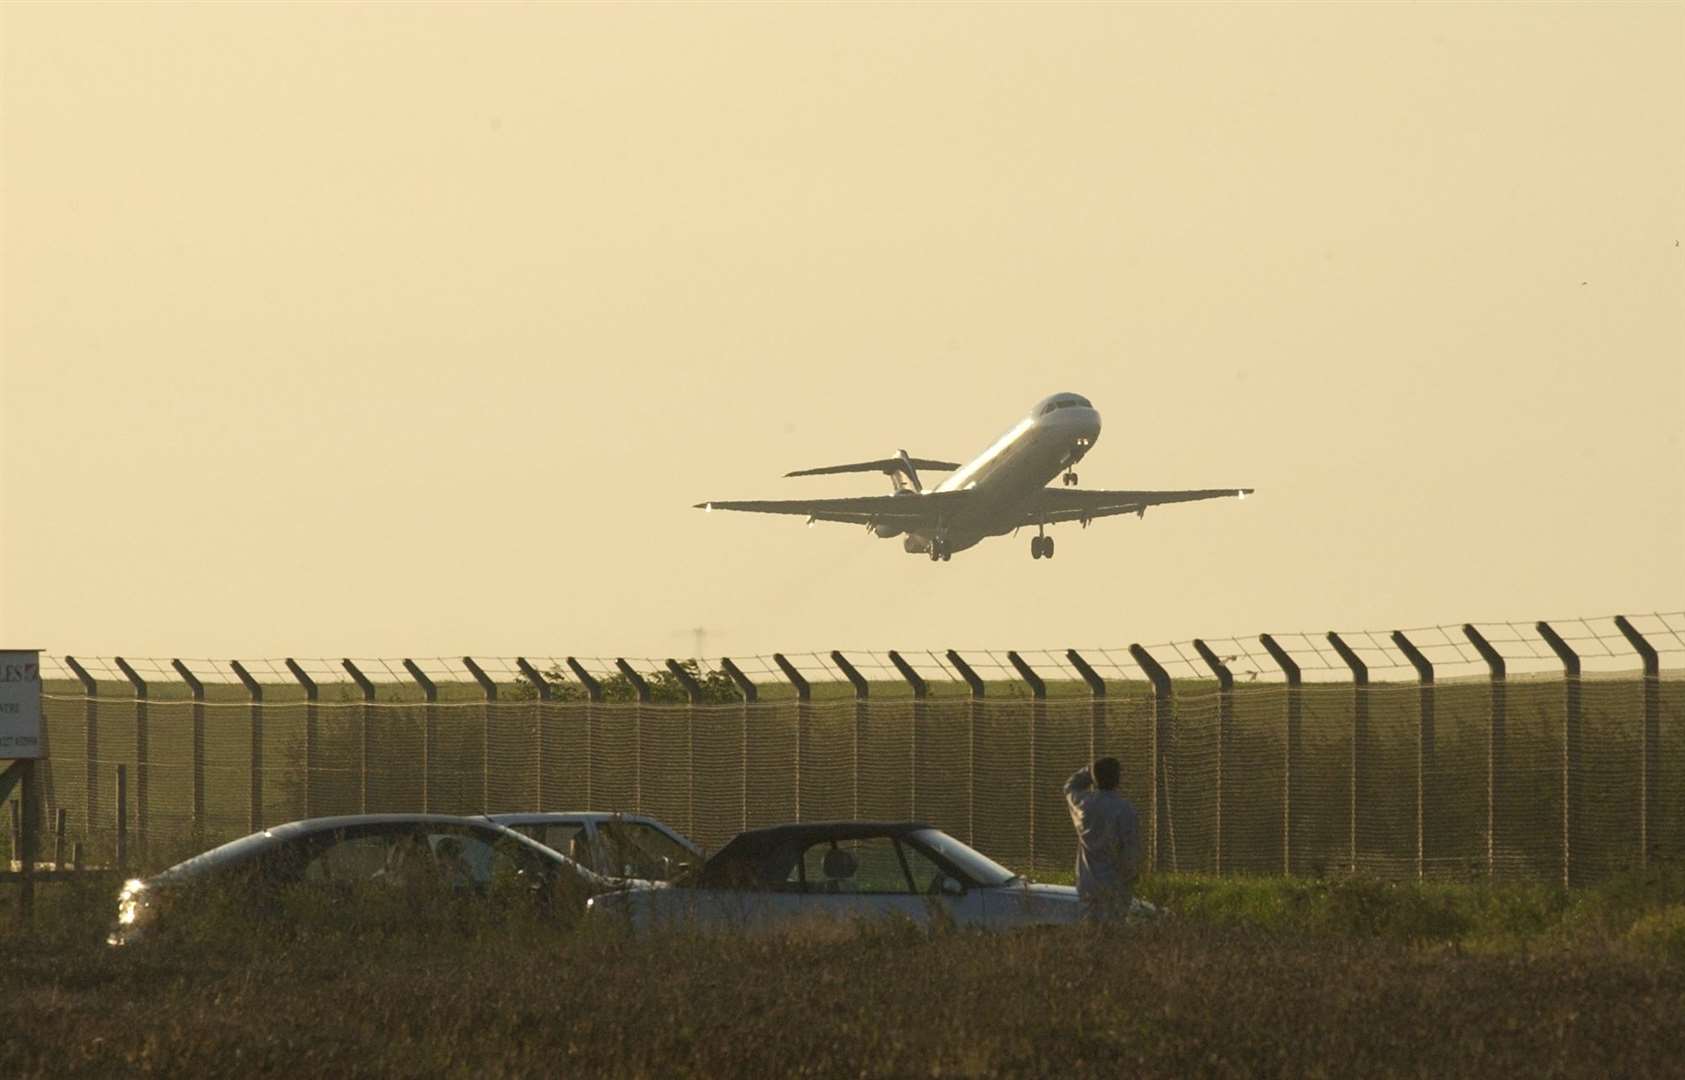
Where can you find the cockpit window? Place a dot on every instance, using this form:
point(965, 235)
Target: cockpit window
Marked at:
point(1068, 402)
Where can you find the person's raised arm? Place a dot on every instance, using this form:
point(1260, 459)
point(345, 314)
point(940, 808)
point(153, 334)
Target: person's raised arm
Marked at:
point(1082, 780)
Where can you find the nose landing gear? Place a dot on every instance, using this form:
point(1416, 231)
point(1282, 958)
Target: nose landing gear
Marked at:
point(1070, 478)
point(1041, 547)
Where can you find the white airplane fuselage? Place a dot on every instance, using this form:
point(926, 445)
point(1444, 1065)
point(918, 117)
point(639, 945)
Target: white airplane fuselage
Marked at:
point(1045, 444)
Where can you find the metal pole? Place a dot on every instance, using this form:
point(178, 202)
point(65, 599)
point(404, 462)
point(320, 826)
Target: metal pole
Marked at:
point(1497, 758)
point(542, 686)
point(860, 690)
point(642, 689)
point(593, 698)
point(1097, 702)
point(804, 723)
point(1160, 819)
point(921, 721)
point(1290, 755)
point(429, 730)
point(693, 691)
point(122, 821)
point(750, 694)
point(367, 688)
point(29, 825)
point(1225, 734)
point(312, 732)
point(489, 689)
point(198, 690)
point(1038, 723)
point(143, 752)
point(1426, 771)
point(90, 761)
point(255, 689)
point(1572, 777)
point(1360, 735)
point(973, 707)
point(1650, 744)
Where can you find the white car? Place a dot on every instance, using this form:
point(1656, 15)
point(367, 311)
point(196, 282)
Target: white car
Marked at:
point(841, 870)
point(619, 846)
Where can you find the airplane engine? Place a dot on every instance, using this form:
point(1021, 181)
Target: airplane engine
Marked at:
point(886, 532)
point(913, 545)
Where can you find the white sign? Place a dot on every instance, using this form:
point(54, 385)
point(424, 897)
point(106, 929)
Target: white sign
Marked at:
point(20, 704)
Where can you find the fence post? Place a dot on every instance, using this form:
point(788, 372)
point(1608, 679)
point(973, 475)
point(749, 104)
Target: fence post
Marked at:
point(122, 847)
point(1497, 759)
point(489, 689)
point(642, 688)
point(593, 698)
point(429, 730)
point(1097, 703)
point(1426, 750)
point(28, 817)
point(312, 732)
point(1160, 816)
point(1650, 743)
point(1360, 734)
point(59, 826)
point(1225, 734)
point(542, 686)
point(255, 689)
point(90, 712)
point(1572, 804)
point(1290, 752)
point(921, 720)
point(804, 720)
point(198, 690)
point(143, 752)
point(973, 707)
point(750, 695)
point(693, 691)
point(367, 688)
point(1038, 723)
point(861, 686)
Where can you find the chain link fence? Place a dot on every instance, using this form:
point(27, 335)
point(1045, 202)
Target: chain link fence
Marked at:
point(1563, 776)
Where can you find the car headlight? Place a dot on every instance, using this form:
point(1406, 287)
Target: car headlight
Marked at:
point(129, 901)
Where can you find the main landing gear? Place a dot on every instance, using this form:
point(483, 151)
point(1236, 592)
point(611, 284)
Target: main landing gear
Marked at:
point(939, 550)
point(1041, 547)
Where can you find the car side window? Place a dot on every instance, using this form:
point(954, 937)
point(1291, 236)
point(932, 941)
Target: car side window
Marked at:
point(567, 837)
point(639, 850)
point(927, 875)
point(868, 865)
point(349, 858)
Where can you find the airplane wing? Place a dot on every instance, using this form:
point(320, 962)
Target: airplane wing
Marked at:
point(903, 510)
point(1063, 504)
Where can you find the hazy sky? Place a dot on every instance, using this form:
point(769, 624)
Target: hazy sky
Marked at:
point(382, 330)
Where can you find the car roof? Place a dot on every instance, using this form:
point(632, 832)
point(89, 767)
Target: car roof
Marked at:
point(755, 841)
point(250, 845)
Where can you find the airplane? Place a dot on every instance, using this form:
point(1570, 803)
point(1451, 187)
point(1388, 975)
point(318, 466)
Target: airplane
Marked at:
point(1002, 490)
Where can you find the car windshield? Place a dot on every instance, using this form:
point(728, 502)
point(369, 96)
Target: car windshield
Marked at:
point(970, 862)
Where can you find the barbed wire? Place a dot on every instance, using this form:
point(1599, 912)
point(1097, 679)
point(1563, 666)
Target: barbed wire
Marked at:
point(1598, 641)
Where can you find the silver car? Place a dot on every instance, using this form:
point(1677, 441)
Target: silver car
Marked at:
point(841, 870)
point(469, 858)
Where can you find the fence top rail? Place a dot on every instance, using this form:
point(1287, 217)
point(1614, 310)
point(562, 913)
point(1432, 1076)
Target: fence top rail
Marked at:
point(1598, 641)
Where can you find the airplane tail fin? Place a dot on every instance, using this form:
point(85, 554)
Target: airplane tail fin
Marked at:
point(902, 470)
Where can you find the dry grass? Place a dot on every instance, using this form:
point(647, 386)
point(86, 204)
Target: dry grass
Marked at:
point(1354, 978)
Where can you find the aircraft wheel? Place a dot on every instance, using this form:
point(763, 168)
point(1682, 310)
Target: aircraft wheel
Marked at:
point(1035, 547)
point(946, 555)
point(1047, 548)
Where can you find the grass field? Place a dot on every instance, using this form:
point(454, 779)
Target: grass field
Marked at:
point(1249, 977)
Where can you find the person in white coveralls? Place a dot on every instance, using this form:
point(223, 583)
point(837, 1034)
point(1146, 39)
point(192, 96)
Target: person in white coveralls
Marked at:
point(1108, 839)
